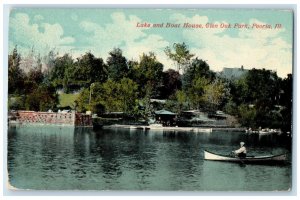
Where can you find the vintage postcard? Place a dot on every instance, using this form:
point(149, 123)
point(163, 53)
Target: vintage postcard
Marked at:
point(141, 99)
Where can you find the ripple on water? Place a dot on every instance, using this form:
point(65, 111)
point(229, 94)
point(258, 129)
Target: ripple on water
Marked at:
point(124, 160)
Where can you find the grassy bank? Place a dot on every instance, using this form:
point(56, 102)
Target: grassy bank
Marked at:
point(67, 99)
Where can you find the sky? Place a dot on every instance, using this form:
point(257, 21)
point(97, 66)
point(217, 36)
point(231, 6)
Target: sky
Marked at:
point(99, 30)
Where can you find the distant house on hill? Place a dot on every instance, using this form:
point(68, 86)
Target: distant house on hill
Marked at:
point(233, 73)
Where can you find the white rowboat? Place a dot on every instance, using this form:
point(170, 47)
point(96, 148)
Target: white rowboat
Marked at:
point(248, 159)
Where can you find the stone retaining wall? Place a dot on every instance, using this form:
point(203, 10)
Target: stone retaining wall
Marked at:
point(72, 118)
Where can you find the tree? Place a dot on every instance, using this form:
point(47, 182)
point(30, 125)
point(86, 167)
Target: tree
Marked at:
point(117, 65)
point(150, 74)
point(256, 95)
point(198, 68)
point(196, 92)
point(286, 101)
point(82, 102)
point(16, 103)
point(34, 78)
point(146, 101)
point(59, 75)
point(133, 69)
point(35, 75)
point(262, 86)
point(71, 75)
point(49, 60)
point(262, 90)
point(112, 96)
point(128, 90)
point(286, 92)
point(181, 99)
point(171, 83)
point(108, 95)
point(42, 99)
point(16, 75)
point(214, 94)
point(181, 55)
point(87, 70)
point(247, 116)
point(238, 91)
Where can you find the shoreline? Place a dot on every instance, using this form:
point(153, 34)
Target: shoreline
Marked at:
point(135, 127)
point(200, 129)
point(169, 128)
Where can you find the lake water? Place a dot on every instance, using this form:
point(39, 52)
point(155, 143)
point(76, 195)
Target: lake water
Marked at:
point(64, 158)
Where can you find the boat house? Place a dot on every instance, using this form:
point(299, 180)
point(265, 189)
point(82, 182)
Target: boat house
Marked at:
point(165, 117)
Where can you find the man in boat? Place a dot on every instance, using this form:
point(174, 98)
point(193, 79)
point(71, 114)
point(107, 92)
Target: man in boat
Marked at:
point(242, 151)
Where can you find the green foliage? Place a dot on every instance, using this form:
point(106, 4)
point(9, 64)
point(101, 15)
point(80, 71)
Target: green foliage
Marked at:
point(152, 71)
point(148, 72)
point(86, 70)
point(42, 99)
point(171, 105)
point(82, 101)
point(181, 99)
point(36, 76)
point(247, 116)
point(16, 75)
point(262, 85)
point(251, 116)
point(111, 96)
point(285, 99)
point(286, 91)
point(16, 103)
point(59, 75)
point(231, 107)
point(200, 86)
point(196, 91)
point(108, 96)
point(146, 102)
point(181, 55)
point(74, 75)
point(23, 86)
point(117, 65)
point(171, 83)
point(128, 90)
point(259, 98)
point(261, 89)
point(214, 94)
point(238, 90)
point(198, 69)
point(133, 69)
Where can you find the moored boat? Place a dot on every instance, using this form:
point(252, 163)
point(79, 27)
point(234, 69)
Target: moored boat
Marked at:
point(269, 159)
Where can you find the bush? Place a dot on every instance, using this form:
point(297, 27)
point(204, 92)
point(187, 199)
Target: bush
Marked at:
point(16, 103)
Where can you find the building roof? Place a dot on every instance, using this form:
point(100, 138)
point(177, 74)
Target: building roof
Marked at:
point(233, 72)
point(164, 112)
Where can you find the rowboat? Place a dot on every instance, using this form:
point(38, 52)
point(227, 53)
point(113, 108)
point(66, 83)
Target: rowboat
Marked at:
point(269, 159)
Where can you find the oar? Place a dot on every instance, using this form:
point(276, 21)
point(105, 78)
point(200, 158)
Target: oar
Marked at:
point(242, 162)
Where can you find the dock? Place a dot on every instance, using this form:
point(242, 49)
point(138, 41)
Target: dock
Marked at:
point(159, 128)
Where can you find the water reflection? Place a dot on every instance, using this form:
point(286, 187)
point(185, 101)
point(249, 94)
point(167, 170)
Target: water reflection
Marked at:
point(68, 158)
